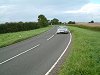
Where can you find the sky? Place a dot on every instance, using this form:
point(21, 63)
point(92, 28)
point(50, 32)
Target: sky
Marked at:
point(64, 10)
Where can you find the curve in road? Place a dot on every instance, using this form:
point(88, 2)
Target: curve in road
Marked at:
point(34, 56)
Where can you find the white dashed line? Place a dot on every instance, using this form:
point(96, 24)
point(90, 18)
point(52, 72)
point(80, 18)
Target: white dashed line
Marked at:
point(19, 54)
point(51, 37)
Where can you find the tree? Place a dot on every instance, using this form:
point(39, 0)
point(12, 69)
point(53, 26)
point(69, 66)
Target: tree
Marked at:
point(54, 21)
point(91, 21)
point(42, 20)
point(71, 22)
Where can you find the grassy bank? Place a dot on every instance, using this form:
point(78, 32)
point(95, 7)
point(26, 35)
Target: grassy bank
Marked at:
point(84, 57)
point(10, 38)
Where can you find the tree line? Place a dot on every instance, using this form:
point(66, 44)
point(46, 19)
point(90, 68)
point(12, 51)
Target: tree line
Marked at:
point(9, 27)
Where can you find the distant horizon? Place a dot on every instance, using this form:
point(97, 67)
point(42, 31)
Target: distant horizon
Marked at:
point(36, 21)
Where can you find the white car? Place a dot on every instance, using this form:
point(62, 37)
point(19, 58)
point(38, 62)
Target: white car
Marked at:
point(62, 30)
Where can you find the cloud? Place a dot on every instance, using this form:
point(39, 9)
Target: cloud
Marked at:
point(86, 13)
point(4, 8)
point(87, 9)
point(44, 2)
point(28, 10)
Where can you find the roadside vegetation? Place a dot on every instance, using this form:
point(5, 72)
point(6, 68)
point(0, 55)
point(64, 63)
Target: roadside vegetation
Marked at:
point(84, 56)
point(23, 26)
point(10, 27)
point(10, 38)
point(12, 32)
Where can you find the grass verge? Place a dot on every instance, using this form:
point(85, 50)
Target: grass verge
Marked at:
point(84, 57)
point(10, 38)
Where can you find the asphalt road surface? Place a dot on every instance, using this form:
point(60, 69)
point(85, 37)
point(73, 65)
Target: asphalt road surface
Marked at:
point(34, 56)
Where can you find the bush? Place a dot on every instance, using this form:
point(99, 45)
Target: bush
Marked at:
point(18, 26)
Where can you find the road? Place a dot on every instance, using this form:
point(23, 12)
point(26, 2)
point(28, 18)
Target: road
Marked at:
point(34, 56)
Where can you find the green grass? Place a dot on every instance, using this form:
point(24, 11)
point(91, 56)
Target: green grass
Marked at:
point(10, 38)
point(84, 57)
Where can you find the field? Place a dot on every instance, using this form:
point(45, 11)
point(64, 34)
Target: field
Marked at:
point(90, 24)
point(10, 38)
point(84, 57)
point(87, 26)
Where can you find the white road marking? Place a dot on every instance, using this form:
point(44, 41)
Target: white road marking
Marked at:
point(51, 37)
point(60, 56)
point(19, 54)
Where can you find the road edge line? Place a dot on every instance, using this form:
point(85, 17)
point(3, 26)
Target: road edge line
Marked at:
point(60, 56)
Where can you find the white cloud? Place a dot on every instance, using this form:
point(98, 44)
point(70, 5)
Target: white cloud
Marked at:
point(28, 10)
point(87, 9)
point(5, 9)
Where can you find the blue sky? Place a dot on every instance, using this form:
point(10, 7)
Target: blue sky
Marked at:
point(95, 1)
point(64, 10)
